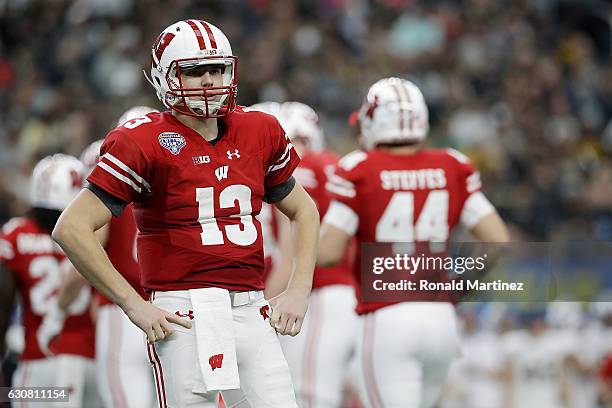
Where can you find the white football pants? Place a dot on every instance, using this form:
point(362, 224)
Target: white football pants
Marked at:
point(404, 352)
point(318, 357)
point(74, 372)
point(123, 367)
point(265, 381)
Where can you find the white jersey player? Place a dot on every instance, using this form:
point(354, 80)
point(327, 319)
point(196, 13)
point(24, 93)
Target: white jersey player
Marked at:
point(474, 379)
point(536, 361)
point(404, 349)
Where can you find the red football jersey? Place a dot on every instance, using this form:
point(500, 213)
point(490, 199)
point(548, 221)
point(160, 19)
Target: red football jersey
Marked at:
point(121, 250)
point(38, 263)
point(195, 202)
point(312, 175)
point(401, 198)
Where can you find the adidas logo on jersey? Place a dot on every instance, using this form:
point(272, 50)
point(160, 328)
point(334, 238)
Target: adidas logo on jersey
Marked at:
point(221, 172)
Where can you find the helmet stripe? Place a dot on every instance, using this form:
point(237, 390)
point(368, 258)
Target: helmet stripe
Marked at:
point(399, 101)
point(211, 37)
point(404, 91)
point(198, 33)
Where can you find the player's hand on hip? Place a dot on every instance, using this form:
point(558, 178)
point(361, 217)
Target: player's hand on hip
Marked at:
point(155, 322)
point(288, 310)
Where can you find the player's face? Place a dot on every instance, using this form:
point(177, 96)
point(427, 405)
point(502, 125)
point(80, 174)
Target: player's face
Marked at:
point(203, 76)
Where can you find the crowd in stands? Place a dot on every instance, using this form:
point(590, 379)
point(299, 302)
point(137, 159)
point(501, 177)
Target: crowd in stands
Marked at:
point(524, 87)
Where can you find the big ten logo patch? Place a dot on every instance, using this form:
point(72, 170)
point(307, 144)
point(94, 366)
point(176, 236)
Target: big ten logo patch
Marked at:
point(197, 160)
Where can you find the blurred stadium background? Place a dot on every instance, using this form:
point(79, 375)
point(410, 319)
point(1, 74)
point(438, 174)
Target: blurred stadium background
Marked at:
point(524, 87)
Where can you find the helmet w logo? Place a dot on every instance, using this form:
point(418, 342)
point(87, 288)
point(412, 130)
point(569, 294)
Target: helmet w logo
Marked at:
point(215, 361)
point(160, 45)
point(372, 107)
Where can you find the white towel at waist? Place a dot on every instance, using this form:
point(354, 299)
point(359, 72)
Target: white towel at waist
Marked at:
point(214, 329)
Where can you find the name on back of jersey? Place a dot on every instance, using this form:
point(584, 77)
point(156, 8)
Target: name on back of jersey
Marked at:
point(422, 179)
point(32, 244)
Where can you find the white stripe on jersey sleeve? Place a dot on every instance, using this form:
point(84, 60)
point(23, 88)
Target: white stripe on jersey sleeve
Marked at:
point(473, 182)
point(342, 216)
point(124, 167)
point(340, 186)
point(6, 250)
point(12, 224)
point(335, 179)
point(119, 176)
point(474, 209)
point(285, 153)
point(281, 165)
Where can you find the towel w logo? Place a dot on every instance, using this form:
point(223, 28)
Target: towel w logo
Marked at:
point(221, 172)
point(215, 361)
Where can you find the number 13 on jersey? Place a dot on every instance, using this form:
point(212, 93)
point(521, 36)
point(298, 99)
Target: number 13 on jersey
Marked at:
point(231, 196)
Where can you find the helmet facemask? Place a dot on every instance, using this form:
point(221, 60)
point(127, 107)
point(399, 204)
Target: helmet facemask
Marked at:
point(210, 102)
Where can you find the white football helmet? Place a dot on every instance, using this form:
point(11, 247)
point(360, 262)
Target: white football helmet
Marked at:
point(393, 111)
point(56, 180)
point(302, 122)
point(185, 45)
point(297, 119)
point(271, 108)
point(91, 155)
point(135, 112)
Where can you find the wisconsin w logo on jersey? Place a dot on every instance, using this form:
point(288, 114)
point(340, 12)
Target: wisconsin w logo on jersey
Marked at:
point(221, 172)
point(215, 361)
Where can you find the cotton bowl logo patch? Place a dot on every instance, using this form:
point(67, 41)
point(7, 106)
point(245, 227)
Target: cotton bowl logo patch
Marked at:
point(172, 142)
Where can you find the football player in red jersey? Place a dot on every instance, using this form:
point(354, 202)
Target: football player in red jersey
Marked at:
point(397, 191)
point(319, 356)
point(59, 349)
point(197, 176)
